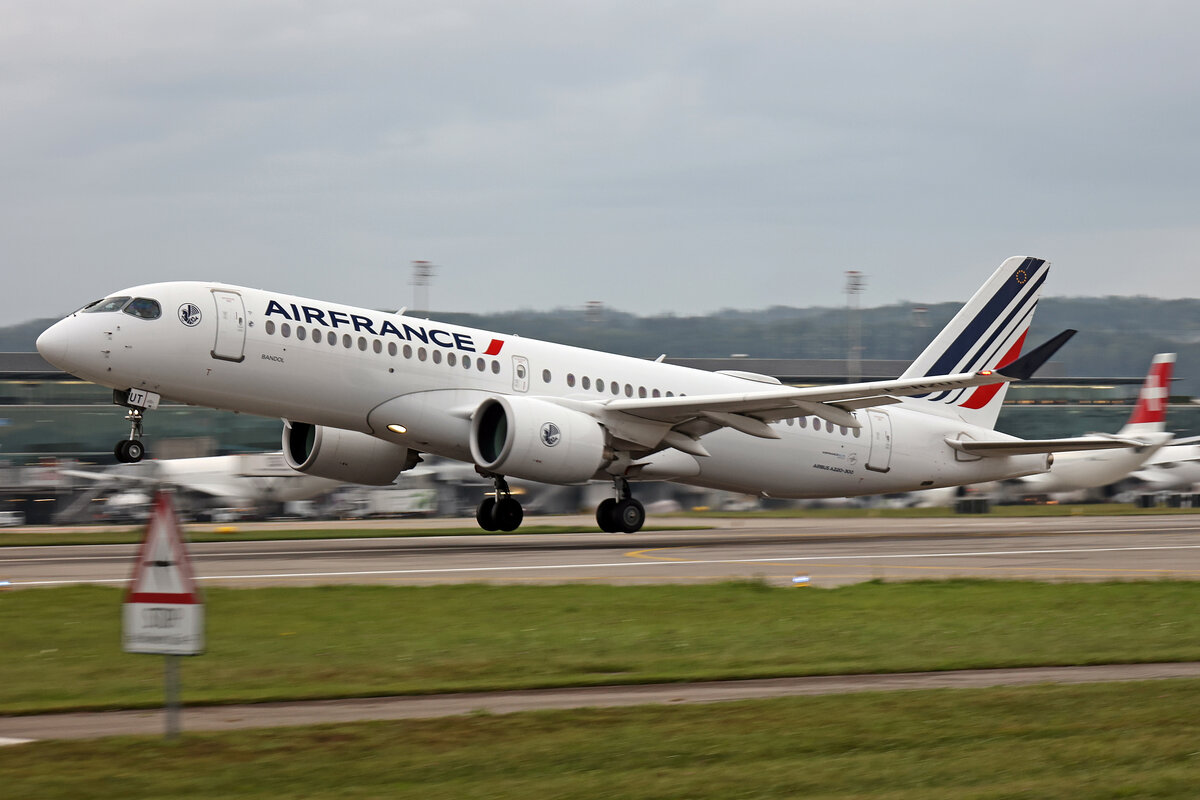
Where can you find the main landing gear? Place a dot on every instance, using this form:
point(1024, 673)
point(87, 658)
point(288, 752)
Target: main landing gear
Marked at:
point(620, 514)
point(131, 450)
point(501, 511)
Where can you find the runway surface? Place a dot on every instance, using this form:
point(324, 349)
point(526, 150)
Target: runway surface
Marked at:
point(817, 552)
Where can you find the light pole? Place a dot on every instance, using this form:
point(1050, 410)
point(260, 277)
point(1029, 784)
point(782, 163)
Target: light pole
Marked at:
point(855, 283)
point(422, 277)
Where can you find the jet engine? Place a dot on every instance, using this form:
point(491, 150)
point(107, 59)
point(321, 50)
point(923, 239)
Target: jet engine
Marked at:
point(344, 455)
point(524, 437)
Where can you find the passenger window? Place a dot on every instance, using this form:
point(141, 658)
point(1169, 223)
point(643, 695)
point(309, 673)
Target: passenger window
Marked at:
point(641, 391)
point(391, 348)
point(571, 380)
point(451, 359)
point(496, 367)
point(270, 327)
point(408, 351)
point(421, 354)
point(546, 376)
point(586, 383)
point(437, 356)
point(480, 364)
point(285, 330)
point(656, 393)
point(362, 343)
point(301, 332)
point(144, 308)
point(377, 345)
point(107, 304)
point(802, 422)
point(332, 339)
point(347, 341)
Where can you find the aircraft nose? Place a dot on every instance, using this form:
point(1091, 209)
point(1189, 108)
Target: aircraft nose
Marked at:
point(52, 344)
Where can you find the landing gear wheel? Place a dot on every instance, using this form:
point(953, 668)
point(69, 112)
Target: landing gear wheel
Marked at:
point(485, 515)
point(629, 515)
point(605, 516)
point(500, 511)
point(129, 451)
point(508, 514)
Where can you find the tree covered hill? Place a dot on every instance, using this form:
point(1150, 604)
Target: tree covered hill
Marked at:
point(1117, 335)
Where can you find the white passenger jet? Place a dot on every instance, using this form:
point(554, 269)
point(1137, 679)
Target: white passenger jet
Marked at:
point(364, 393)
point(1142, 436)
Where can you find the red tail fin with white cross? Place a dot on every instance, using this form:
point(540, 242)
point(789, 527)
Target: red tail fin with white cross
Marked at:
point(1150, 413)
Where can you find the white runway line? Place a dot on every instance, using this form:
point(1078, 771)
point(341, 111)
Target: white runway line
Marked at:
point(643, 563)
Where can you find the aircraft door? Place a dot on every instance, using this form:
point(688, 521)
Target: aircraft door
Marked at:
point(230, 344)
point(520, 374)
point(880, 457)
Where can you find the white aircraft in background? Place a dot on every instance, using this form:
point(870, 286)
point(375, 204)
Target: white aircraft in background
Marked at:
point(246, 479)
point(1174, 468)
point(1141, 438)
point(364, 393)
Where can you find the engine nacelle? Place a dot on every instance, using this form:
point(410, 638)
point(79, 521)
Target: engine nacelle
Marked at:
point(524, 437)
point(344, 455)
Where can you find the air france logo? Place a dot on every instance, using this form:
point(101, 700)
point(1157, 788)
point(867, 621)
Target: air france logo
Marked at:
point(331, 318)
point(551, 435)
point(189, 314)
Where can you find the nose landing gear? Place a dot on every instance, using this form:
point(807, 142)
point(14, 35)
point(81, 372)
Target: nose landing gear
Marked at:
point(501, 511)
point(620, 514)
point(131, 450)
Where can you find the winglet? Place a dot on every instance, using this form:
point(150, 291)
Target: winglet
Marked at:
point(1025, 366)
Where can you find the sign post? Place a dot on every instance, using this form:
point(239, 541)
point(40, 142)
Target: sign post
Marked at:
point(163, 611)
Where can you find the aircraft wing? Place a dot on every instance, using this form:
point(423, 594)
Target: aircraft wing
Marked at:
point(113, 477)
point(141, 481)
point(750, 413)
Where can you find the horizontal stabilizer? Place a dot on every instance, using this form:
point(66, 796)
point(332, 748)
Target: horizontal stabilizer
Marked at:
point(1024, 447)
point(1024, 367)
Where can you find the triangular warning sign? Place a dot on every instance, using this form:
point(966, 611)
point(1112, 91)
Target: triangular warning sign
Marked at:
point(162, 573)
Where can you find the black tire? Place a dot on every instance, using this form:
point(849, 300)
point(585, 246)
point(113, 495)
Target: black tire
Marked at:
point(509, 514)
point(485, 515)
point(629, 515)
point(119, 451)
point(134, 450)
point(606, 517)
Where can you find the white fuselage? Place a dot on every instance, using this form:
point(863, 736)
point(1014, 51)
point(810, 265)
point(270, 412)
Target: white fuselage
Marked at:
point(263, 353)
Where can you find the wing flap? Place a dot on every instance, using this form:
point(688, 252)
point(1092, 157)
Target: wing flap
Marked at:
point(1024, 447)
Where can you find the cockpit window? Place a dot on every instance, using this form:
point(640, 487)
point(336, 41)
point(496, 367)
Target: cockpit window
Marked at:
point(144, 308)
point(92, 304)
point(107, 304)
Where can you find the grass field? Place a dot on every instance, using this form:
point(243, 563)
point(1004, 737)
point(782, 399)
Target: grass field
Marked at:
point(1103, 741)
point(61, 647)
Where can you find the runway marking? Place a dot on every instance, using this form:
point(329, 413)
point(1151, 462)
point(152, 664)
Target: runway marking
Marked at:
point(864, 556)
point(647, 561)
point(5, 741)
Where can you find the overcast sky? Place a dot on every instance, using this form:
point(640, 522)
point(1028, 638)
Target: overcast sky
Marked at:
point(657, 156)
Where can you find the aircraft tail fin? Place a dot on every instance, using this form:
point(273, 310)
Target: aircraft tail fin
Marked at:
point(1150, 413)
point(987, 332)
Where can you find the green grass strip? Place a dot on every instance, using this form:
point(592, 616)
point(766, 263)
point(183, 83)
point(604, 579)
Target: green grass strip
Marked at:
point(61, 646)
point(1099, 741)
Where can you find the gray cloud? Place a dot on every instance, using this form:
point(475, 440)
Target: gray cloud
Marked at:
point(657, 156)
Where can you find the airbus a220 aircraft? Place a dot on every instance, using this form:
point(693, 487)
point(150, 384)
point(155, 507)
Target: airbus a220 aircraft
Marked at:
point(364, 393)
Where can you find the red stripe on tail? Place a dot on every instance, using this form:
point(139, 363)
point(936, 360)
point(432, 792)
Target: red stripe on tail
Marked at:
point(984, 394)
